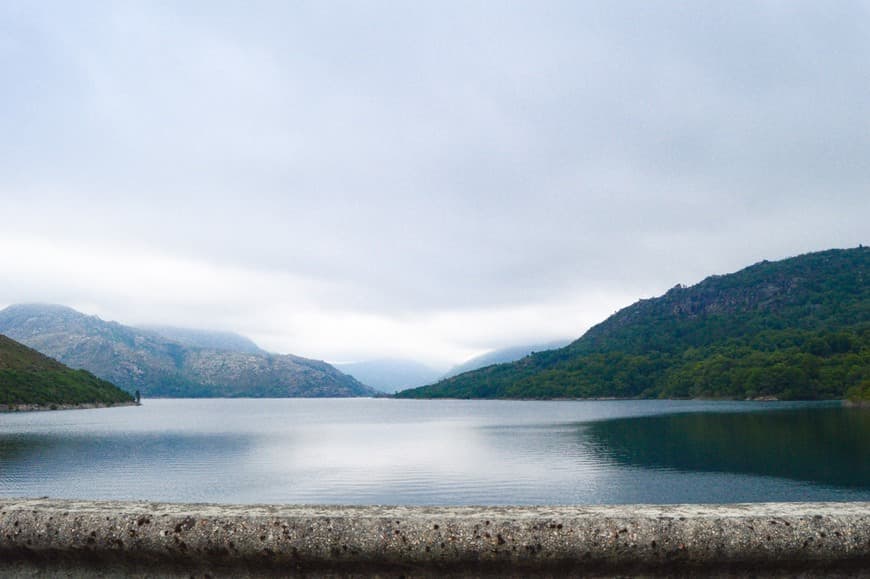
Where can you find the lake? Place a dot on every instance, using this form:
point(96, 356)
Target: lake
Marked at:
point(442, 452)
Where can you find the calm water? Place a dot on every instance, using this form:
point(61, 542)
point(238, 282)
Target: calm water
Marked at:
point(369, 451)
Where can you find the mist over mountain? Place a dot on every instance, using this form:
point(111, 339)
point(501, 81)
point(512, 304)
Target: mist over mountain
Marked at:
point(798, 328)
point(144, 360)
point(390, 375)
point(208, 339)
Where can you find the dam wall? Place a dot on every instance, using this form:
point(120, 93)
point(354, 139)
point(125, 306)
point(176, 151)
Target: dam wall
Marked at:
point(234, 540)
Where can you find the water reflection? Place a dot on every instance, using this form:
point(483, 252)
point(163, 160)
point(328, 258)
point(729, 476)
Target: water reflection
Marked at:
point(829, 446)
point(439, 452)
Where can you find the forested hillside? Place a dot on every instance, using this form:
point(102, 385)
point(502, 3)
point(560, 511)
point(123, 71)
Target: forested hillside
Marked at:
point(28, 377)
point(792, 329)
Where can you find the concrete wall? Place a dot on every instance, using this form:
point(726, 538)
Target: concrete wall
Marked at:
point(83, 536)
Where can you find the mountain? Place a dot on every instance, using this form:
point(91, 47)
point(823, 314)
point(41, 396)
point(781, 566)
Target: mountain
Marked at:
point(792, 329)
point(501, 356)
point(207, 339)
point(144, 360)
point(28, 377)
point(390, 375)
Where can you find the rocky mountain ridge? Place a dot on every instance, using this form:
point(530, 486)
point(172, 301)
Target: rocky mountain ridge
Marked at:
point(144, 360)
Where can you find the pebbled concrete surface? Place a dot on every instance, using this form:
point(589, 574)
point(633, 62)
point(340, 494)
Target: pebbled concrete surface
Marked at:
point(42, 537)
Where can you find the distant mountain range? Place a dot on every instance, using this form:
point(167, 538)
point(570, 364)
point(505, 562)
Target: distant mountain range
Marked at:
point(792, 329)
point(30, 378)
point(390, 375)
point(170, 361)
point(502, 356)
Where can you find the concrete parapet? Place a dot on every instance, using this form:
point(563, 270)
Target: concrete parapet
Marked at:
point(161, 538)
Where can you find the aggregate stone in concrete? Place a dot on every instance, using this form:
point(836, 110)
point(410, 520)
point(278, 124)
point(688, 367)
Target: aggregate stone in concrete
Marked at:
point(801, 537)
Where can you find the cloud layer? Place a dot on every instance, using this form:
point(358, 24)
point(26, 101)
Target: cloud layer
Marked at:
point(345, 180)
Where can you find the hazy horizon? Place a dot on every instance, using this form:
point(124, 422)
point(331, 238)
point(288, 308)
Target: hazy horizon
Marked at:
point(168, 330)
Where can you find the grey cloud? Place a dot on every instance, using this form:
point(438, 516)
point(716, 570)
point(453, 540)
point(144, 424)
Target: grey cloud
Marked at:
point(420, 157)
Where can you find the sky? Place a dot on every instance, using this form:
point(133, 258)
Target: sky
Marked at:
point(423, 180)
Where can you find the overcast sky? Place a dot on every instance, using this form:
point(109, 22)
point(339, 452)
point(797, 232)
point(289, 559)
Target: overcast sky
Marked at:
point(428, 180)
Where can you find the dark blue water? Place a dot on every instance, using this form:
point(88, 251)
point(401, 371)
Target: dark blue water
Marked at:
point(375, 451)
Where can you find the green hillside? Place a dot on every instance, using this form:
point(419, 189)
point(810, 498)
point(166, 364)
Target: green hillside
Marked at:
point(793, 329)
point(28, 377)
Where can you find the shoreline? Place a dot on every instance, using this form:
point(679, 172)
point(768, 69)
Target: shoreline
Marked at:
point(12, 408)
point(626, 399)
point(288, 540)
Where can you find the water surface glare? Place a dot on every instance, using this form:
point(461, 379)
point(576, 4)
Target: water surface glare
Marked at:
point(382, 451)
